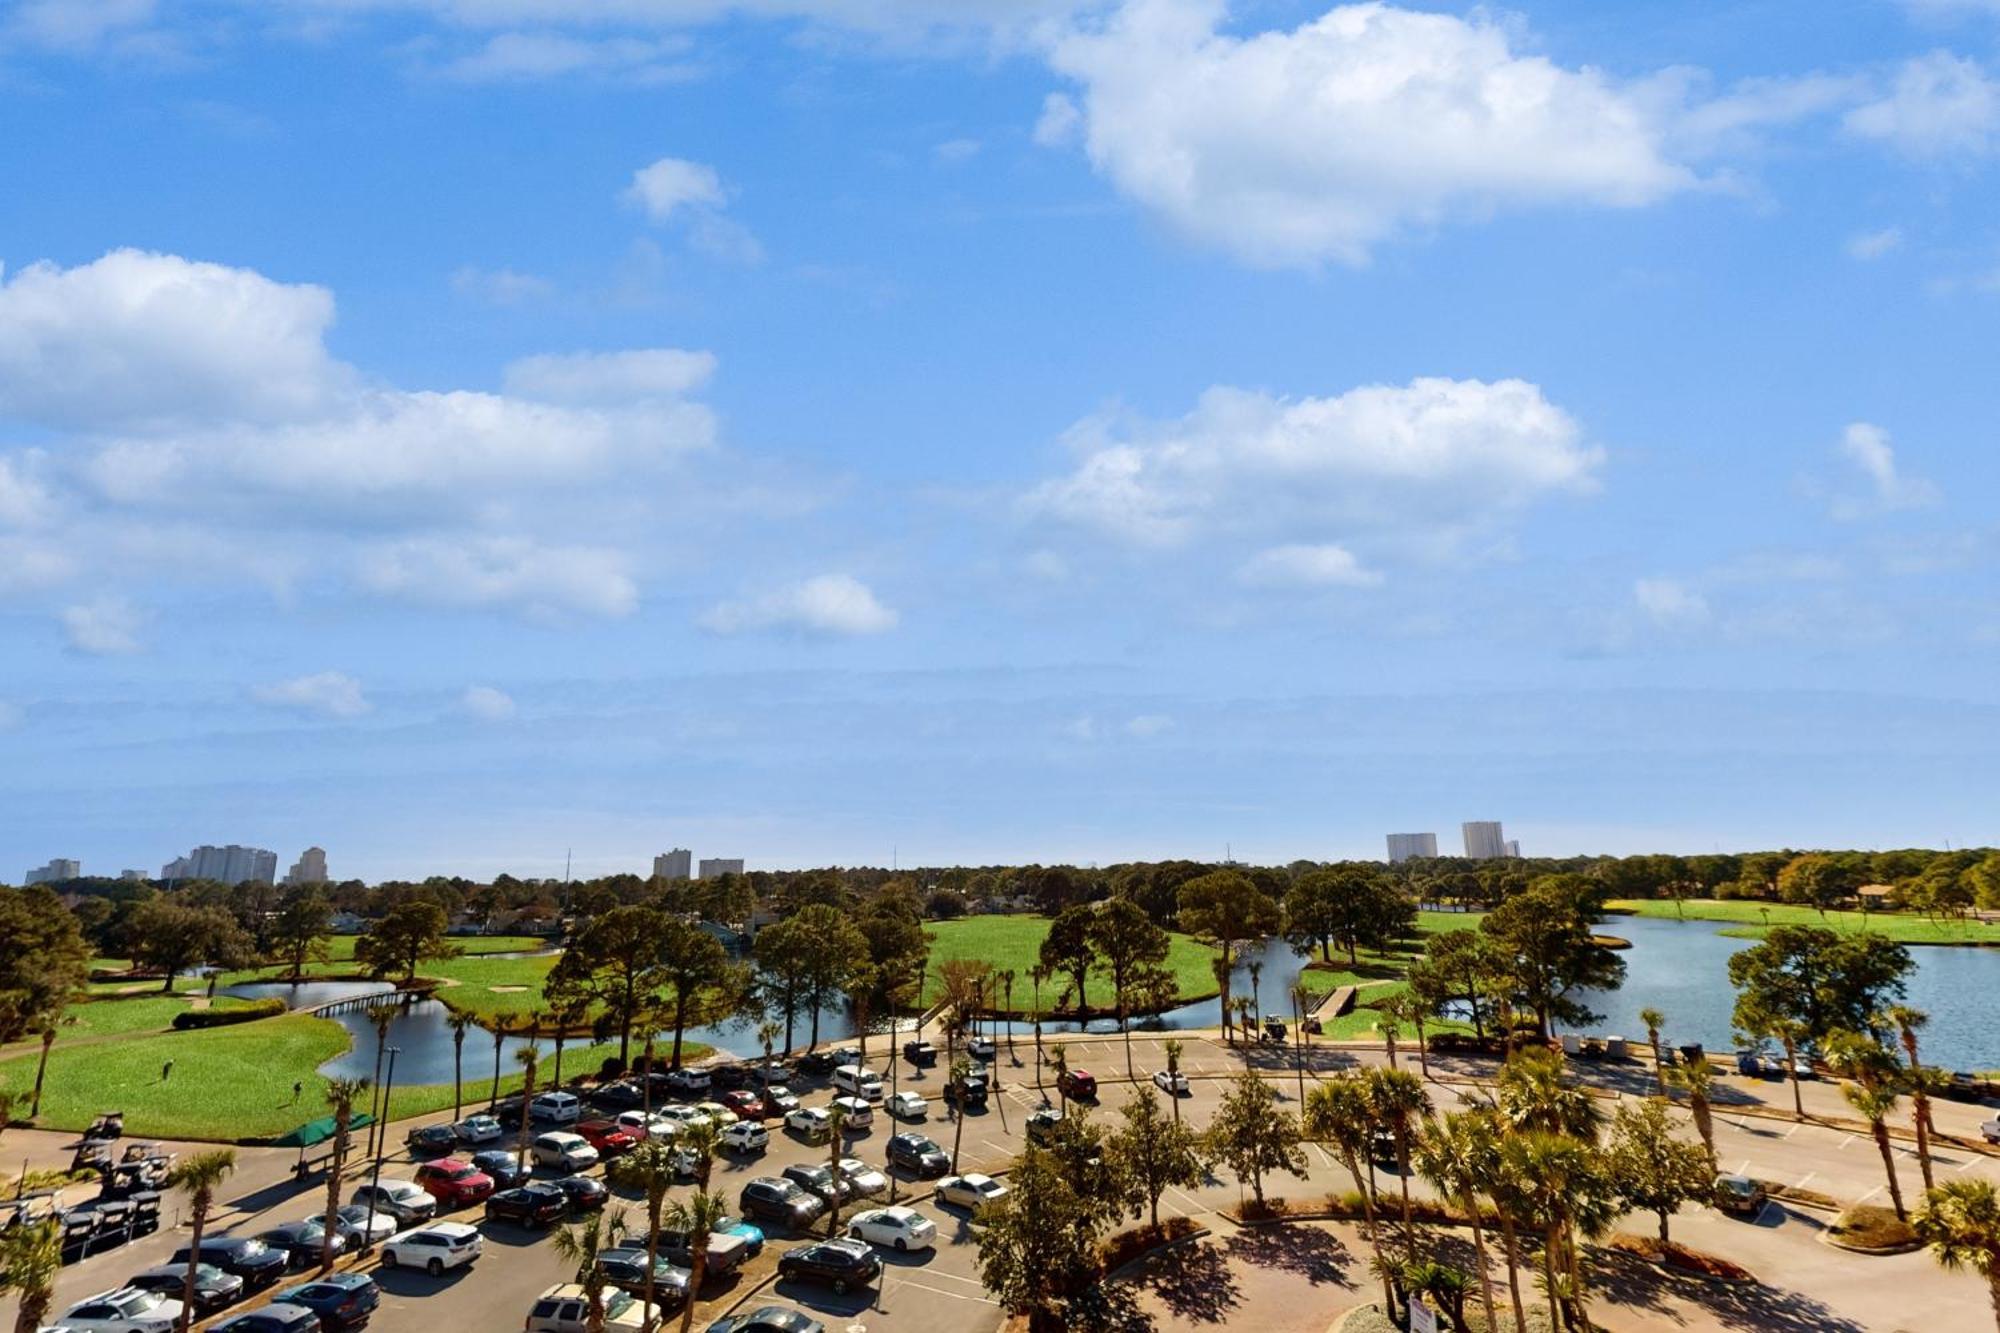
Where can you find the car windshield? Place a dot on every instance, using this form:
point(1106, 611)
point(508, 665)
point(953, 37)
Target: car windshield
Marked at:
point(462, 1172)
point(616, 1304)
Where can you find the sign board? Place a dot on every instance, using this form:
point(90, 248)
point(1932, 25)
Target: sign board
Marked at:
point(1422, 1318)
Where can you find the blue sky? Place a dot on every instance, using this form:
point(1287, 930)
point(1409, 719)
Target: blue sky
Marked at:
point(453, 432)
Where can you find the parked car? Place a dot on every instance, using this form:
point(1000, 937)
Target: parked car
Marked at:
point(1750, 1064)
point(753, 1236)
point(981, 1048)
point(840, 1264)
point(686, 1081)
point(557, 1108)
point(607, 1136)
point(1803, 1067)
point(431, 1141)
point(744, 1104)
point(271, 1319)
point(123, 1310)
point(779, 1100)
point(860, 1115)
point(404, 1200)
point(908, 1106)
point(1172, 1082)
point(584, 1192)
point(768, 1319)
point(747, 1137)
point(565, 1309)
point(434, 1248)
point(341, 1300)
point(717, 1113)
point(918, 1155)
point(624, 1268)
point(1990, 1130)
point(213, 1289)
point(563, 1151)
point(620, 1096)
point(770, 1199)
point(812, 1122)
point(771, 1073)
point(920, 1053)
point(249, 1258)
point(819, 1180)
point(1078, 1084)
point(475, 1130)
point(859, 1081)
point(534, 1205)
point(1044, 1125)
point(1739, 1194)
point(967, 1091)
point(643, 1125)
point(972, 1191)
point(507, 1166)
point(863, 1180)
point(454, 1182)
point(366, 1223)
point(818, 1063)
point(726, 1250)
point(897, 1228)
point(683, 1117)
point(302, 1242)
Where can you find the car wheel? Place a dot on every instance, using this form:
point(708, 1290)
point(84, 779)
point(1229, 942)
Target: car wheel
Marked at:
point(435, 1268)
point(388, 1258)
point(901, 1245)
point(840, 1286)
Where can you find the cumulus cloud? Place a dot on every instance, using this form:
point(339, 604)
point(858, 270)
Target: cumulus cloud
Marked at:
point(829, 604)
point(1867, 447)
point(1435, 459)
point(1320, 142)
point(327, 693)
point(666, 187)
point(601, 377)
point(486, 703)
point(1939, 105)
point(1670, 603)
point(1303, 566)
point(105, 627)
point(524, 57)
point(506, 572)
point(24, 501)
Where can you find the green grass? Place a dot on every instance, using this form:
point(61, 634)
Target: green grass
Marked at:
point(477, 977)
point(1754, 919)
point(1012, 943)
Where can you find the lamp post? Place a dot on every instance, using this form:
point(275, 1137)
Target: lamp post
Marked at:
point(382, 1143)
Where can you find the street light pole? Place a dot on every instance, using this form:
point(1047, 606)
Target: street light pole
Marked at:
point(382, 1143)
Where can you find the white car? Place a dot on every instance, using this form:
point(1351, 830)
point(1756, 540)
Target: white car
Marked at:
point(642, 1126)
point(811, 1121)
point(434, 1248)
point(908, 1106)
point(981, 1048)
point(897, 1229)
point(684, 1116)
point(971, 1192)
point(376, 1226)
point(746, 1136)
point(477, 1129)
point(557, 1108)
point(1172, 1082)
point(1990, 1130)
point(860, 1114)
point(866, 1181)
point(404, 1200)
point(566, 1309)
point(565, 1151)
point(126, 1310)
point(717, 1112)
point(688, 1080)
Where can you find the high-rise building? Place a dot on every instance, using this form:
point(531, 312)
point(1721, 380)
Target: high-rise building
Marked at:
point(1411, 846)
point(717, 867)
point(225, 865)
point(310, 868)
point(1514, 848)
point(55, 872)
point(132, 876)
point(677, 864)
point(1483, 840)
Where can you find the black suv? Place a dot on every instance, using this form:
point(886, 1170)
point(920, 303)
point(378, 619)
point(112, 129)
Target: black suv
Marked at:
point(920, 1052)
point(918, 1155)
point(767, 1199)
point(302, 1242)
point(213, 1289)
point(249, 1258)
point(819, 1180)
point(529, 1205)
point(971, 1089)
point(821, 1063)
point(841, 1264)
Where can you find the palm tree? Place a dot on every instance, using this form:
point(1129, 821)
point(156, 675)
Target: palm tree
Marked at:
point(1037, 975)
point(1390, 1030)
point(341, 1095)
point(836, 1119)
point(698, 1216)
point(1790, 1032)
point(1695, 1077)
point(1560, 1186)
point(199, 1176)
point(499, 1039)
point(1397, 1100)
point(1456, 1157)
point(1255, 967)
point(565, 1015)
point(380, 1016)
point(1654, 1021)
point(1535, 1096)
point(530, 1059)
point(1007, 991)
point(1302, 1047)
point(960, 1067)
point(1907, 1021)
point(460, 1022)
point(767, 1034)
point(30, 1258)
point(1960, 1221)
point(1338, 1112)
point(1059, 1061)
point(650, 1170)
point(42, 1068)
point(1172, 1049)
point(1219, 967)
point(580, 1243)
point(1875, 1103)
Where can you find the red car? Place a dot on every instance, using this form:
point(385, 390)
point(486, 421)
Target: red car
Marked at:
point(1078, 1084)
point(454, 1182)
point(745, 1103)
point(608, 1137)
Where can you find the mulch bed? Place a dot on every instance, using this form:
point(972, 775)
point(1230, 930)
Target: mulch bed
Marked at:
point(1679, 1258)
point(1866, 1229)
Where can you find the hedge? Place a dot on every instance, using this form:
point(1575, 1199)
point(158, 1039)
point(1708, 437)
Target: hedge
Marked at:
point(216, 1018)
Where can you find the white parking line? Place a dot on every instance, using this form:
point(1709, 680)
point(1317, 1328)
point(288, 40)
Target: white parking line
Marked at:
point(1966, 1163)
point(1869, 1195)
point(1800, 1183)
point(1744, 1168)
point(1845, 1140)
point(1194, 1205)
point(1794, 1129)
point(940, 1291)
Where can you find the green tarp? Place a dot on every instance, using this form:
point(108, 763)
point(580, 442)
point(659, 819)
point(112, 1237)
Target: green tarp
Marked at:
point(315, 1132)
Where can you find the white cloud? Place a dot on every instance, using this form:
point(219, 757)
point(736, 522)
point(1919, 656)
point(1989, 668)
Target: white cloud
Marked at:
point(105, 627)
point(1670, 604)
point(486, 703)
point(501, 286)
point(328, 693)
point(953, 152)
point(611, 377)
point(10, 715)
point(1148, 725)
point(834, 604)
point(1867, 447)
point(1060, 123)
point(1869, 245)
point(140, 340)
point(673, 184)
point(24, 500)
point(1303, 566)
point(521, 57)
point(76, 25)
point(506, 572)
point(1940, 105)
point(1431, 461)
point(1317, 143)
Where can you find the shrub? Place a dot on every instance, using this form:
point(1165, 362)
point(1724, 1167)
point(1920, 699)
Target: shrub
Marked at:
point(1868, 1227)
point(222, 1018)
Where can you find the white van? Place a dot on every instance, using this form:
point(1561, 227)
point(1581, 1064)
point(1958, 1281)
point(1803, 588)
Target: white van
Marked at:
point(861, 1082)
point(557, 1108)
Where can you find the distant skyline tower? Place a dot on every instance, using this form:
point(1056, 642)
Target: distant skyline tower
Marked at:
point(717, 867)
point(1411, 846)
point(1483, 840)
point(310, 868)
point(1514, 849)
point(677, 864)
point(58, 869)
